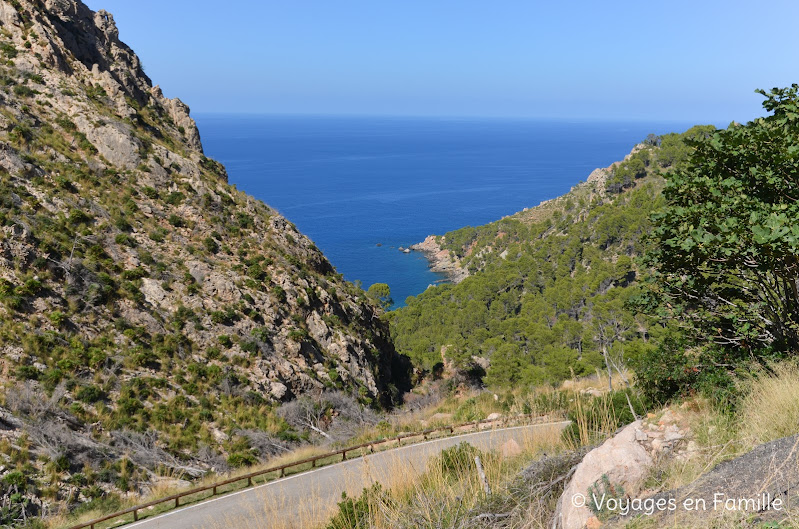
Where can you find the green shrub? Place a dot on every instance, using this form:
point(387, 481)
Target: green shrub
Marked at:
point(15, 478)
point(158, 235)
point(30, 287)
point(77, 216)
point(8, 50)
point(150, 192)
point(456, 460)
point(241, 459)
point(297, 335)
point(175, 198)
point(176, 221)
point(90, 394)
point(23, 91)
point(353, 513)
point(58, 318)
point(211, 245)
point(27, 373)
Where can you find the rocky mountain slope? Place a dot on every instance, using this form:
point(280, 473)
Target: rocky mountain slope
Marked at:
point(149, 312)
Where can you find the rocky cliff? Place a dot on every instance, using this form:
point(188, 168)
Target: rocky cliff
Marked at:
point(146, 306)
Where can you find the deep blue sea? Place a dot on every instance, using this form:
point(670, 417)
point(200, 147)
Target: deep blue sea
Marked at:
point(362, 187)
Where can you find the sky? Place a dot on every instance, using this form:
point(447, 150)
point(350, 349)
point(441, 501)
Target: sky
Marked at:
point(697, 61)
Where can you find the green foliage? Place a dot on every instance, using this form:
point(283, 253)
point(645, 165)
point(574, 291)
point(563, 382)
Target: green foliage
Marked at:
point(456, 460)
point(599, 492)
point(550, 291)
point(211, 245)
point(15, 478)
point(532, 314)
point(150, 192)
point(175, 198)
point(26, 372)
point(23, 91)
point(627, 172)
point(8, 50)
point(90, 394)
point(96, 92)
point(58, 318)
point(241, 459)
point(353, 513)
point(725, 249)
point(380, 293)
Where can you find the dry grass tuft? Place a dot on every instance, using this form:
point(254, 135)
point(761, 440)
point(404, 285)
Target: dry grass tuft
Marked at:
point(770, 409)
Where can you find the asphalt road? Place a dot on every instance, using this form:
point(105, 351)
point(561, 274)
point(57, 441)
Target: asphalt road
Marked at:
point(309, 498)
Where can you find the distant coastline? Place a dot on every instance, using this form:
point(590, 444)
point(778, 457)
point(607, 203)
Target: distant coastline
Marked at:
point(350, 183)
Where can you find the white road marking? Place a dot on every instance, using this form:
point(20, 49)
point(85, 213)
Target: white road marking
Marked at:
point(328, 467)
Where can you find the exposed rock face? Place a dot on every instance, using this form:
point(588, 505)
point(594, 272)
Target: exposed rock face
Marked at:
point(441, 260)
point(135, 284)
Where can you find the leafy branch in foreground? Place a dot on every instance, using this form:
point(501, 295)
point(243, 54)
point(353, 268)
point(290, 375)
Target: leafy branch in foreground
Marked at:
point(726, 247)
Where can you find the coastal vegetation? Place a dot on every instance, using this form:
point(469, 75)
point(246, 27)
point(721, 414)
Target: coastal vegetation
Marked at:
point(550, 288)
point(159, 326)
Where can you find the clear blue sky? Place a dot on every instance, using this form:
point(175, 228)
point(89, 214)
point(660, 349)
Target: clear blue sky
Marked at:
point(671, 59)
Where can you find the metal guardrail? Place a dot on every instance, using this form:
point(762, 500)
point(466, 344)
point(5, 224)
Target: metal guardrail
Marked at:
point(281, 469)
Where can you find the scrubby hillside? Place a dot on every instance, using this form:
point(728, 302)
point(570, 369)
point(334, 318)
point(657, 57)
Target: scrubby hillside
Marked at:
point(149, 312)
point(547, 288)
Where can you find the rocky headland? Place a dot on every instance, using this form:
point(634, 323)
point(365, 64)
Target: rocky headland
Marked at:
point(441, 260)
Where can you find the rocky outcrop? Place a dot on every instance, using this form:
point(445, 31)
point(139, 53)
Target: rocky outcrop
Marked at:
point(441, 260)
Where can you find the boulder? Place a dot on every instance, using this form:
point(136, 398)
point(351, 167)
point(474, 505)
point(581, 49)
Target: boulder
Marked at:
point(621, 460)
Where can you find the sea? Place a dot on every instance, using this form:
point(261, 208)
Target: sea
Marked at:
point(363, 187)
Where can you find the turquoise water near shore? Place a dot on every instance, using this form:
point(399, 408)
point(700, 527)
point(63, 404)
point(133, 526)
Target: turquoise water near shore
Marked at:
point(361, 187)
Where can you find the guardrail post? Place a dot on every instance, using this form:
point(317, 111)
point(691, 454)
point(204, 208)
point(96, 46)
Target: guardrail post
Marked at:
point(214, 490)
point(399, 440)
point(313, 463)
point(177, 502)
point(283, 472)
point(372, 449)
point(135, 516)
point(249, 482)
point(343, 455)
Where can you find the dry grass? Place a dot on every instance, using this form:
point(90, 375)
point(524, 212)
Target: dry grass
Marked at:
point(770, 409)
point(416, 421)
point(716, 439)
point(598, 381)
point(411, 496)
point(405, 483)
